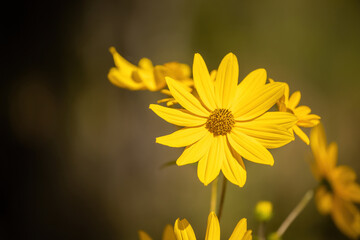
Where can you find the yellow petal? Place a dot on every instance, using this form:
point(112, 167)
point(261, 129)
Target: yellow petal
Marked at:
point(248, 235)
point(345, 216)
point(186, 99)
point(249, 148)
point(203, 84)
point(226, 81)
point(323, 200)
point(213, 228)
point(183, 230)
point(210, 164)
point(259, 102)
point(144, 236)
point(183, 137)
point(145, 77)
point(121, 63)
point(168, 233)
point(250, 84)
point(233, 167)
point(213, 75)
point(318, 142)
point(146, 64)
point(332, 155)
point(239, 230)
point(294, 100)
point(119, 79)
point(310, 120)
point(302, 111)
point(195, 151)
point(178, 117)
point(301, 134)
point(270, 129)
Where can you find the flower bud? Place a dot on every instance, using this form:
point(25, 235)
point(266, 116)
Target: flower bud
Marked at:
point(263, 211)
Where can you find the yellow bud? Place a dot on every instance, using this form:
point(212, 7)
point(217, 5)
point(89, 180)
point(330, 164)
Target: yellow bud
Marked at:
point(273, 236)
point(263, 211)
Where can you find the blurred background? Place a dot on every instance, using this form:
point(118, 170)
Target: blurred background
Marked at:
point(79, 159)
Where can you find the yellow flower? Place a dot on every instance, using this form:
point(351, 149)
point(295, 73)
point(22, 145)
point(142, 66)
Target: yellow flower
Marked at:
point(226, 121)
point(145, 76)
point(184, 231)
point(337, 191)
point(168, 234)
point(305, 119)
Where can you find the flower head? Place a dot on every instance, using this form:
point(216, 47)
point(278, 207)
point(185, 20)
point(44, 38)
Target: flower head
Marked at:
point(168, 234)
point(337, 191)
point(184, 231)
point(226, 121)
point(305, 119)
point(146, 76)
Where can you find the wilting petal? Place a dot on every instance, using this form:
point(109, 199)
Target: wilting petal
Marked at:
point(250, 84)
point(195, 151)
point(144, 236)
point(186, 99)
point(210, 164)
point(259, 102)
point(145, 77)
point(226, 81)
point(121, 63)
point(169, 233)
point(178, 117)
point(233, 167)
point(203, 83)
point(294, 100)
point(183, 137)
point(249, 148)
point(213, 228)
point(183, 230)
point(301, 134)
point(239, 230)
point(119, 79)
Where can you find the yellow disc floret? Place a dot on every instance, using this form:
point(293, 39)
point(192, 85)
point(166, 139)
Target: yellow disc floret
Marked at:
point(220, 122)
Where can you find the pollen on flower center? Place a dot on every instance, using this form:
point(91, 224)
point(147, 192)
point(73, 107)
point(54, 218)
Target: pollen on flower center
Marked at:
point(220, 122)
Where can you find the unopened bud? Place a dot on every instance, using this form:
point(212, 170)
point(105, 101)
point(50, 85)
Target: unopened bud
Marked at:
point(263, 211)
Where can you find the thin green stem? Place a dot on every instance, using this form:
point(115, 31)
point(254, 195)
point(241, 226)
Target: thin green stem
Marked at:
point(213, 197)
point(295, 212)
point(222, 197)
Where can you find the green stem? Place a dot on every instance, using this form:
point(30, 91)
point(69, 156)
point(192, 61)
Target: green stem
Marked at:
point(213, 197)
point(222, 198)
point(295, 212)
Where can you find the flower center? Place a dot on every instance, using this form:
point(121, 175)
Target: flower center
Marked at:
point(220, 122)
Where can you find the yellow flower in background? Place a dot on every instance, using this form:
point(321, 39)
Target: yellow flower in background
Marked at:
point(226, 121)
point(305, 119)
point(184, 231)
point(146, 76)
point(168, 234)
point(337, 191)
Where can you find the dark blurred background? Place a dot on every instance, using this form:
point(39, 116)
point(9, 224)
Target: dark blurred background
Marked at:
point(79, 159)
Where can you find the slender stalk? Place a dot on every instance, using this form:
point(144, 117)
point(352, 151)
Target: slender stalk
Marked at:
point(295, 212)
point(213, 198)
point(261, 232)
point(222, 197)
